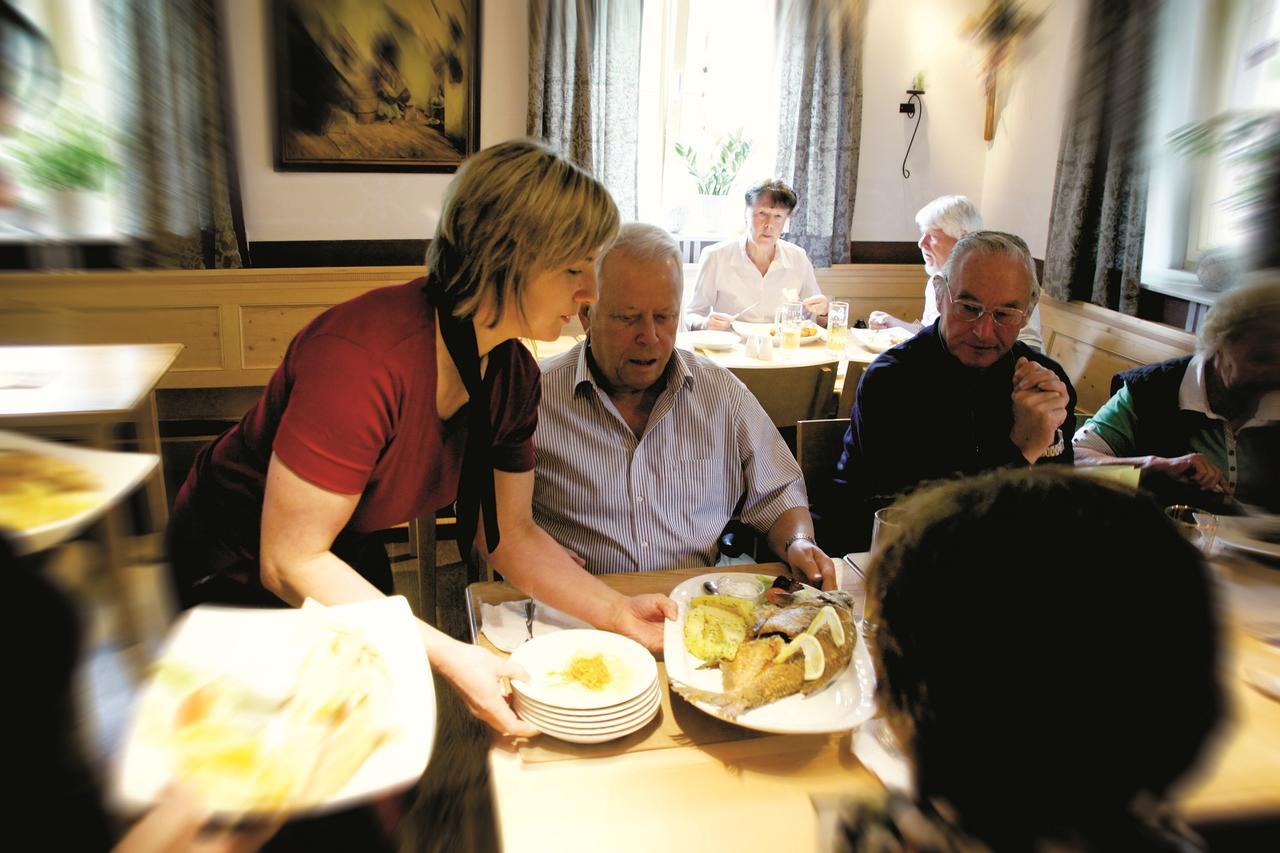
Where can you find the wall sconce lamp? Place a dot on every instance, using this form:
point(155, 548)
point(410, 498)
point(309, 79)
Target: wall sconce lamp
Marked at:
point(913, 108)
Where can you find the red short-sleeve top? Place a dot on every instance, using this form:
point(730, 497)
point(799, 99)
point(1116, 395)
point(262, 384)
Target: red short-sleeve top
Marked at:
point(352, 409)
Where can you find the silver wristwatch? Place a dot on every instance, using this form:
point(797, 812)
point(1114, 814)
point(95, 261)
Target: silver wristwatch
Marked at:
point(1055, 449)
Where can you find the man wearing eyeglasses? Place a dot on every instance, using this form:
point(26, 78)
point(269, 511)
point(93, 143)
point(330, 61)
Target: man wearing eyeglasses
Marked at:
point(963, 396)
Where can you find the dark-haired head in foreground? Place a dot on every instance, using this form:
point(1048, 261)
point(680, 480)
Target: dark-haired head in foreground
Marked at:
point(1047, 654)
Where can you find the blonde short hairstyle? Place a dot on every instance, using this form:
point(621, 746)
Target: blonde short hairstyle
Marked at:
point(1239, 313)
point(514, 210)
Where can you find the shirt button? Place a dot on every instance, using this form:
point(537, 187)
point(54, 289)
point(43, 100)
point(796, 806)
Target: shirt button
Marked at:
point(644, 544)
point(639, 500)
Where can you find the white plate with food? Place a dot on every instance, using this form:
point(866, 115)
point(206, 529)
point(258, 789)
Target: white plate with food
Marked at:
point(277, 712)
point(765, 691)
point(49, 491)
point(583, 669)
point(1253, 534)
point(713, 339)
point(880, 340)
point(810, 333)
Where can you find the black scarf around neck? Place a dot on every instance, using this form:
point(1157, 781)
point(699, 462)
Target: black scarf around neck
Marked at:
point(475, 484)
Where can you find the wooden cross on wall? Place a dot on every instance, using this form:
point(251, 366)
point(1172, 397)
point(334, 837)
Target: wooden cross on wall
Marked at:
point(999, 27)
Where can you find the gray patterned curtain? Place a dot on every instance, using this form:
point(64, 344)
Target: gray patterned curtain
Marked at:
point(182, 191)
point(584, 72)
point(820, 119)
point(1098, 220)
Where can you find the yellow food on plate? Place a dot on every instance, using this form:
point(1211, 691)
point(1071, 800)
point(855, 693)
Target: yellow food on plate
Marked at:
point(588, 670)
point(243, 751)
point(814, 658)
point(37, 489)
point(714, 633)
point(741, 606)
point(808, 331)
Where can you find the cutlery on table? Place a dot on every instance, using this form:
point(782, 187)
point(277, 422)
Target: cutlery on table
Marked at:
point(528, 617)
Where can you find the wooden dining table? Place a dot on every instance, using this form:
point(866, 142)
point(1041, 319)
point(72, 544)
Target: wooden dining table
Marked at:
point(84, 393)
point(688, 781)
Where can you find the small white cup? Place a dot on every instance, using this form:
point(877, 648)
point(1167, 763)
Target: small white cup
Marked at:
point(761, 347)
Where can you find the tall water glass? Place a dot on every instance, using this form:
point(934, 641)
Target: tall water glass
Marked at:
point(837, 326)
point(791, 325)
point(887, 523)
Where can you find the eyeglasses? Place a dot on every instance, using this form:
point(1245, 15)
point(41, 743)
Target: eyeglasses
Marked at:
point(972, 312)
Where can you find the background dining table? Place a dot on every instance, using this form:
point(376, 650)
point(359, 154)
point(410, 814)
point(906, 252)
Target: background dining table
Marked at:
point(689, 781)
point(864, 346)
point(84, 393)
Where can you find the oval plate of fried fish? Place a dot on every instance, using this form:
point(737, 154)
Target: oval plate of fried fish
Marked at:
point(281, 712)
point(793, 668)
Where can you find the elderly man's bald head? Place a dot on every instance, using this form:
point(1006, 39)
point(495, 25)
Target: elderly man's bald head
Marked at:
point(641, 243)
point(632, 327)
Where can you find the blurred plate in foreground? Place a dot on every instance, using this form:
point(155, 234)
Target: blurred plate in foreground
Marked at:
point(283, 711)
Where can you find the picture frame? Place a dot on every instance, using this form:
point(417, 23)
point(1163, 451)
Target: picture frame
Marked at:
point(376, 85)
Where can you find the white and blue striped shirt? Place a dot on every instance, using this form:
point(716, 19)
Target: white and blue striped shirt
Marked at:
point(628, 504)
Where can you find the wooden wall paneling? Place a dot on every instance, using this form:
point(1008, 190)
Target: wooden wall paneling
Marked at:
point(266, 331)
point(1093, 344)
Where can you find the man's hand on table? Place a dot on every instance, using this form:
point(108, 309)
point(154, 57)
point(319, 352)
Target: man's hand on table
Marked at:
point(810, 564)
point(1191, 468)
point(479, 676)
point(641, 618)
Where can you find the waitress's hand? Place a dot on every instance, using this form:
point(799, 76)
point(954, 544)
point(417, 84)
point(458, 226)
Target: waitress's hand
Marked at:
point(481, 680)
point(640, 617)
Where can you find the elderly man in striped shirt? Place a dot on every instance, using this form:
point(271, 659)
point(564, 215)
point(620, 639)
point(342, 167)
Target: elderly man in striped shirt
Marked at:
point(644, 451)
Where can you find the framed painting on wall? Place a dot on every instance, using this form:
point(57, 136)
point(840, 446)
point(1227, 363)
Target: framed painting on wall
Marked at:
point(376, 85)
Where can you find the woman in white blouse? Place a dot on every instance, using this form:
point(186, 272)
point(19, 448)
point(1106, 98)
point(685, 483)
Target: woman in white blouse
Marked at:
point(749, 277)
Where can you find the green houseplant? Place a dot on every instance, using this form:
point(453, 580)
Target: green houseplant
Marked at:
point(70, 160)
point(1249, 140)
point(726, 160)
point(70, 155)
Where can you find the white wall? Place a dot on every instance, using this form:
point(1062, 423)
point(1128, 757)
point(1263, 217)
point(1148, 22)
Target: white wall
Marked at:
point(1010, 178)
point(355, 205)
point(904, 37)
point(1017, 183)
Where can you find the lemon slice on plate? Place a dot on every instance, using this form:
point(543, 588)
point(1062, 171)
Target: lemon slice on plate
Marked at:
point(814, 659)
point(827, 616)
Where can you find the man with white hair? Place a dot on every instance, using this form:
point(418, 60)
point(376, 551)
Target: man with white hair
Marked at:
point(644, 451)
point(1204, 429)
point(961, 397)
point(942, 222)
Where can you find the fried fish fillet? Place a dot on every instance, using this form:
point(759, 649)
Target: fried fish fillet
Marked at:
point(754, 679)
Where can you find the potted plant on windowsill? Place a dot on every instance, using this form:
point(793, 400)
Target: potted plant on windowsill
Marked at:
point(1250, 142)
point(70, 161)
point(717, 177)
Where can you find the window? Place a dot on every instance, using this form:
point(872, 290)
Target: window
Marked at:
point(82, 99)
point(707, 71)
point(1215, 59)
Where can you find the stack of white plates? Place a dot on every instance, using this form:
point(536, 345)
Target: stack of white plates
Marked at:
point(619, 695)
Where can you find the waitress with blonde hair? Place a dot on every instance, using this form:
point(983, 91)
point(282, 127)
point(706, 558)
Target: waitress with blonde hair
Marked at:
point(396, 403)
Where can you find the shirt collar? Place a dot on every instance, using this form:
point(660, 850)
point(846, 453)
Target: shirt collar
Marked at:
point(1193, 397)
point(677, 375)
point(781, 259)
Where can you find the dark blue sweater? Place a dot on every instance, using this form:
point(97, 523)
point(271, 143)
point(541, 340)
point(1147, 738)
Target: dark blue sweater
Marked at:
point(921, 415)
